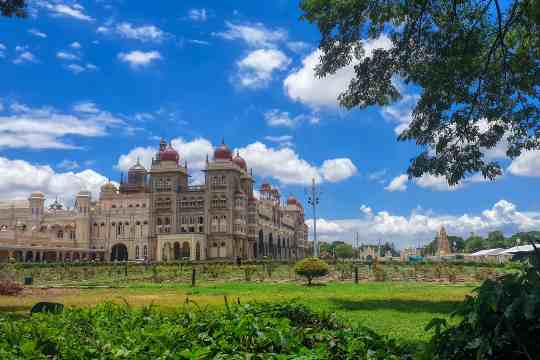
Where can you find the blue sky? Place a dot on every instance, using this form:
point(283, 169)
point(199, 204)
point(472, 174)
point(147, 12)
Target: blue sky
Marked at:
point(89, 86)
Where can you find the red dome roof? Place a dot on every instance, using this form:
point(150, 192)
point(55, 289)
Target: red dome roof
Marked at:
point(292, 200)
point(169, 154)
point(238, 160)
point(223, 152)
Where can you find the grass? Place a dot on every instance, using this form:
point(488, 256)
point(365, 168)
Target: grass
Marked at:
point(399, 310)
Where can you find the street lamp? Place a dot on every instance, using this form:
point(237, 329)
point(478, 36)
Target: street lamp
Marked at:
point(313, 195)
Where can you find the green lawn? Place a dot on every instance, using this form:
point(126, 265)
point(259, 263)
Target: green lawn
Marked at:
point(399, 310)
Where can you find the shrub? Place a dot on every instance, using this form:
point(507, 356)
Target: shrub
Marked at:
point(10, 288)
point(249, 270)
point(252, 331)
point(311, 268)
point(502, 321)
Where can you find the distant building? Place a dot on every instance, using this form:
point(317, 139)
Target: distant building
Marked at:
point(156, 215)
point(443, 245)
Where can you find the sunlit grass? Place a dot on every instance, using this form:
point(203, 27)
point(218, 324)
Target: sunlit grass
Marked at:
point(399, 310)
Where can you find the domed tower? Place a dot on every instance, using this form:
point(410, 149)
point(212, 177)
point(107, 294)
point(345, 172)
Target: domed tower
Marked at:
point(107, 191)
point(136, 181)
point(222, 152)
point(168, 179)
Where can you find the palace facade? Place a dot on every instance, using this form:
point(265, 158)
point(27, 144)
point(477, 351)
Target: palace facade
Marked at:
point(156, 215)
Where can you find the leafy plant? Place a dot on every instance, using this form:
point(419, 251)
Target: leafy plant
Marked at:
point(311, 268)
point(501, 322)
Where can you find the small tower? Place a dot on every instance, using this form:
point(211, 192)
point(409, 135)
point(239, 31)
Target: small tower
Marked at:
point(82, 202)
point(443, 245)
point(37, 205)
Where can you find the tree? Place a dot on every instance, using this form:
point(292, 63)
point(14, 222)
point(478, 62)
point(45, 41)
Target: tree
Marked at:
point(457, 244)
point(496, 239)
point(344, 251)
point(11, 8)
point(311, 268)
point(474, 243)
point(475, 63)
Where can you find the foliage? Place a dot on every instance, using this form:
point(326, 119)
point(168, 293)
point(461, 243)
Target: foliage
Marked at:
point(10, 288)
point(11, 8)
point(311, 268)
point(475, 65)
point(344, 251)
point(501, 322)
point(264, 331)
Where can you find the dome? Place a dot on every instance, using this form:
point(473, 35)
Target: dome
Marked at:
point(223, 152)
point(108, 186)
point(137, 167)
point(292, 200)
point(169, 154)
point(265, 187)
point(238, 160)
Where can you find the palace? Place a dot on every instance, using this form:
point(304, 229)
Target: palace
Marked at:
point(157, 215)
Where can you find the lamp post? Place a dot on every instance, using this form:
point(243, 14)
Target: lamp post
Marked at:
point(313, 195)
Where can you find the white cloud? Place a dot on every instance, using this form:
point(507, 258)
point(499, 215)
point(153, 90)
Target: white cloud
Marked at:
point(75, 45)
point(526, 164)
point(286, 166)
point(77, 69)
point(298, 46)
point(19, 178)
point(304, 86)
point(75, 11)
point(421, 226)
point(46, 127)
point(138, 58)
point(64, 55)
point(437, 183)
point(277, 118)
point(37, 33)
point(256, 69)
point(146, 33)
point(68, 164)
point(283, 140)
point(2, 50)
point(24, 57)
point(198, 14)
point(86, 107)
point(199, 42)
point(254, 35)
point(336, 170)
point(401, 112)
point(399, 183)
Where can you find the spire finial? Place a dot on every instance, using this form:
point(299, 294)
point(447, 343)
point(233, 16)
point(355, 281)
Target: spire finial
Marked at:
point(223, 140)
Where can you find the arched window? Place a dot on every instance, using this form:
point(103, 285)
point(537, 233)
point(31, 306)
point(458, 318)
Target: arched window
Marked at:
point(215, 224)
point(223, 224)
point(60, 234)
point(136, 251)
point(145, 251)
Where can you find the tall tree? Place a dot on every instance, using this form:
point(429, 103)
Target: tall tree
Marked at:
point(11, 8)
point(475, 62)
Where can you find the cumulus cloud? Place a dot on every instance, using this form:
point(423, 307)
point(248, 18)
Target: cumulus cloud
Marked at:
point(198, 14)
point(526, 164)
point(399, 183)
point(37, 33)
point(137, 59)
point(144, 33)
point(254, 35)
point(256, 69)
point(64, 55)
point(277, 118)
point(25, 57)
point(421, 226)
point(336, 170)
point(401, 112)
point(74, 11)
point(304, 86)
point(46, 127)
point(75, 45)
point(286, 166)
point(19, 178)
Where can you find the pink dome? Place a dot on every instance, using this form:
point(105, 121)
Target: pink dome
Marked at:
point(169, 154)
point(223, 152)
point(238, 160)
